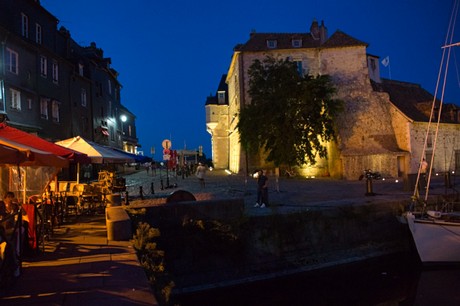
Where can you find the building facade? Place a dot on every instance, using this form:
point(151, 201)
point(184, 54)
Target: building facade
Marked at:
point(373, 132)
point(53, 87)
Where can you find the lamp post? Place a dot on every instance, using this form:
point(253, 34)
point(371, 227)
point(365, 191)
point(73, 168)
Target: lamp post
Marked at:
point(123, 119)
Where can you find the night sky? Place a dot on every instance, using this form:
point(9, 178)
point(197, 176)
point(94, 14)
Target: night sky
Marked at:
point(171, 54)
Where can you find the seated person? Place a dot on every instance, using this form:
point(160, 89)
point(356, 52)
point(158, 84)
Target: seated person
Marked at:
point(8, 207)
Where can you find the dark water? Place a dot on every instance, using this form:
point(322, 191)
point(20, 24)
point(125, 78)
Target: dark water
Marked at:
point(385, 281)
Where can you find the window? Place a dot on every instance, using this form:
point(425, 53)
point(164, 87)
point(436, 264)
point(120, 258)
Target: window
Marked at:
point(297, 43)
point(43, 64)
point(2, 100)
point(83, 97)
point(12, 60)
point(38, 34)
point(110, 86)
point(55, 71)
point(80, 69)
point(15, 99)
point(457, 160)
point(25, 25)
point(55, 110)
point(112, 134)
point(221, 97)
point(373, 64)
point(44, 108)
point(29, 103)
point(272, 43)
point(110, 110)
point(299, 67)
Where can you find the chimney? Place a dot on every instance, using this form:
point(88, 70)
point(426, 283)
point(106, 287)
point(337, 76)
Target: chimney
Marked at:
point(314, 30)
point(323, 32)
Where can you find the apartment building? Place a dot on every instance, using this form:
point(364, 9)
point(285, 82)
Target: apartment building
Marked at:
point(55, 88)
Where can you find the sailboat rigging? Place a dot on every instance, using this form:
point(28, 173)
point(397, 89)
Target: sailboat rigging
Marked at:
point(436, 232)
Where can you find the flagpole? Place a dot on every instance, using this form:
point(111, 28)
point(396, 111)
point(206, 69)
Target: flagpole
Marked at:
point(389, 69)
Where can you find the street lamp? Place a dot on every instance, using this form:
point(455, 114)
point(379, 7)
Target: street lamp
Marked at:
point(123, 119)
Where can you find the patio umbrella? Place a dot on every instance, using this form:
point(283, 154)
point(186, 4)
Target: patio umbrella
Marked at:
point(97, 153)
point(9, 155)
point(21, 137)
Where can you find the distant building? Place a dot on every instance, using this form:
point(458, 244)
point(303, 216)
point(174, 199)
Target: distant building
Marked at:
point(376, 129)
point(53, 87)
point(217, 124)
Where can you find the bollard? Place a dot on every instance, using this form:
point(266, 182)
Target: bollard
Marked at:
point(152, 190)
point(127, 198)
point(369, 191)
point(447, 180)
point(141, 192)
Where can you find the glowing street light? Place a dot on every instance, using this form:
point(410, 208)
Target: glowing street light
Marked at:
point(123, 119)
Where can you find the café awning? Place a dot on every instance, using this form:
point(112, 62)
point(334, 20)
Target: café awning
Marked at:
point(35, 157)
point(97, 153)
point(33, 141)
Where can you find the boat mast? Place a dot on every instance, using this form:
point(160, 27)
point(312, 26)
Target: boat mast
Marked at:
point(443, 70)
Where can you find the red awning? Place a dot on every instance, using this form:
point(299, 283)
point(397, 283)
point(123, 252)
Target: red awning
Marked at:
point(10, 155)
point(21, 137)
point(36, 157)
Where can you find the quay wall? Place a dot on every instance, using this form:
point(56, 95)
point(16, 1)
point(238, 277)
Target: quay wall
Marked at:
point(210, 244)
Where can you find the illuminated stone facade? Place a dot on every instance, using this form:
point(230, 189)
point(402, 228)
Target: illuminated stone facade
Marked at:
point(373, 133)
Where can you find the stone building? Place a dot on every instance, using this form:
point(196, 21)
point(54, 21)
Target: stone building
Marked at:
point(53, 87)
point(376, 130)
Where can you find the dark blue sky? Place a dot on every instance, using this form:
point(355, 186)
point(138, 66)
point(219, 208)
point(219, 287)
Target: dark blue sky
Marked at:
point(171, 54)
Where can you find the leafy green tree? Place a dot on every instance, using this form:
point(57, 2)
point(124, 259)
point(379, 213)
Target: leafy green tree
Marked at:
point(290, 116)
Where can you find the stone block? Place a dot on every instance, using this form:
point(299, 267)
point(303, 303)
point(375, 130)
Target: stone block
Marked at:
point(118, 224)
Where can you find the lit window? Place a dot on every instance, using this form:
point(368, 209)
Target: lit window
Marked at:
point(297, 43)
point(83, 97)
point(43, 64)
point(15, 99)
point(25, 25)
point(55, 72)
point(12, 60)
point(38, 34)
point(29, 103)
point(44, 108)
point(55, 110)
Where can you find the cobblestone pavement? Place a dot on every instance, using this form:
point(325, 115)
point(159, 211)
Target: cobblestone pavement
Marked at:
point(284, 194)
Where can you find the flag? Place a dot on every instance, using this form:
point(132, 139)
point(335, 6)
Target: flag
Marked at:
point(386, 61)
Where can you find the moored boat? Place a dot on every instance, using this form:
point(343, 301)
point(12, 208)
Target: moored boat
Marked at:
point(436, 233)
point(436, 236)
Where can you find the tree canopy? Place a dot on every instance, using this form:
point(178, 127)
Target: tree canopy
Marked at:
point(290, 115)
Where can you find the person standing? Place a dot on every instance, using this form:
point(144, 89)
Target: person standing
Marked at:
point(200, 174)
point(262, 189)
point(424, 172)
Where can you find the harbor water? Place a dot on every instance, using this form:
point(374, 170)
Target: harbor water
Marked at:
point(391, 280)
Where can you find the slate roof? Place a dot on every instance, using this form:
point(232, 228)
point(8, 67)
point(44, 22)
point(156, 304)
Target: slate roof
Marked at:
point(222, 87)
point(258, 41)
point(341, 39)
point(414, 101)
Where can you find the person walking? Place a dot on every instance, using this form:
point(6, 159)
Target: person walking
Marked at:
point(200, 174)
point(262, 189)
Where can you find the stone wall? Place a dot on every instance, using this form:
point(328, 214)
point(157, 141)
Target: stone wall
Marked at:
point(215, 242)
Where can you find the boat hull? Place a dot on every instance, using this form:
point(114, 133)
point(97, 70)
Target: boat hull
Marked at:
point(437, 241)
